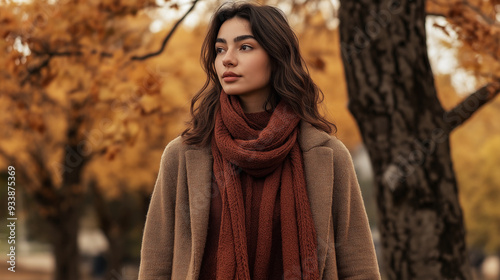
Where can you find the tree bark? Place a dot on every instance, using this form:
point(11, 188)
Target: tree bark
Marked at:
point(63, 209)
point(116, 256)
point(114, 227)
point(393, 99)
point(65, 246)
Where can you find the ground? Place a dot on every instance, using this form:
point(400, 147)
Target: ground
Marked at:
point(23, 274)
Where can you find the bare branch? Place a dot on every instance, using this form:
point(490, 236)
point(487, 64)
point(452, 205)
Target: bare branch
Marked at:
point(465, 109)
point(478, 11)
point(164, 43)
point(446, 5)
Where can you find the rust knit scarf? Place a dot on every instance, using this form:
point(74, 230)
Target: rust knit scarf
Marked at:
point(273, 153)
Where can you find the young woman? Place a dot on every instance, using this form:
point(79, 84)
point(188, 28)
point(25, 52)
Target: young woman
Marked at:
point(256, 188)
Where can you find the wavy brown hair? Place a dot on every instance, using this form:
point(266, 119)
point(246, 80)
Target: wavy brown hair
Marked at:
point(290, 79)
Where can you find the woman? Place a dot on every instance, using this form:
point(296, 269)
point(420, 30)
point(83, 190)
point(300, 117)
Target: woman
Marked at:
point(256, 188)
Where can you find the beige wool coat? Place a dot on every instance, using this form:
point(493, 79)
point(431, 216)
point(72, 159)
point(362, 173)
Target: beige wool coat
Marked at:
point(177, 220)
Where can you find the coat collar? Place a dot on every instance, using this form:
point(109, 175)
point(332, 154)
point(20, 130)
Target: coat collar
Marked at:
point(310, 137)
point(318, 165)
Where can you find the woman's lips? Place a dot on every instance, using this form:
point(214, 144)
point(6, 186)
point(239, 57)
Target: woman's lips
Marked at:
point(229, 79)
point(230, 76)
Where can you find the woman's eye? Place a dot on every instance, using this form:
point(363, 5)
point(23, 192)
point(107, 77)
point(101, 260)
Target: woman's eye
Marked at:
point(219, 50)
point(246, 47)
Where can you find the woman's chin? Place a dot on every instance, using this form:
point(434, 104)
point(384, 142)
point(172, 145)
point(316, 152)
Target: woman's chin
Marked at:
point(232, 92)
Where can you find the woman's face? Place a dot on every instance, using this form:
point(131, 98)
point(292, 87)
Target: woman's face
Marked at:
point(242, 65)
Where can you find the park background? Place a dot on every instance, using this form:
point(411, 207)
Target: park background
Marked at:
point(85, 115)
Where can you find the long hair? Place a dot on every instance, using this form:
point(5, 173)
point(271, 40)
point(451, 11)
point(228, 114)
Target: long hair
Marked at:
point(290, 79)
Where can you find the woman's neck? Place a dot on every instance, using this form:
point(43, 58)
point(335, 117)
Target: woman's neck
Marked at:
point(254, 103)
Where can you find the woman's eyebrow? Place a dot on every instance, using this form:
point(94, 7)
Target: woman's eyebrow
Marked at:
point(237, 39)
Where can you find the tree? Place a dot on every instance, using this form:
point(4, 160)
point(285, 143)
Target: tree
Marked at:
point(77, 90)
point(406, 130)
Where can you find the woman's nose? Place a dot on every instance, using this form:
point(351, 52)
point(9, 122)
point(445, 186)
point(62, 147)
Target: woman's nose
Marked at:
point(229, 59)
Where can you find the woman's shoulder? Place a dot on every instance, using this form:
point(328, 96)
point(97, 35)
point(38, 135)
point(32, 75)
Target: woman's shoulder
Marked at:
point(337, 146)
point(177, 147)
point(341, 156)
point(312, 137)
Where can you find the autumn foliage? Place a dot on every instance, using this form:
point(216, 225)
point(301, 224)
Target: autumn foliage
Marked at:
point(73, 100)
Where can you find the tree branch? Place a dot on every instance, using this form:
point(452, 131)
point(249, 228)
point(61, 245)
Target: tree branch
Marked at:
point(478, 11)
point(164, 43)
point(465, 109)
point(36, 69)
point(466, 3)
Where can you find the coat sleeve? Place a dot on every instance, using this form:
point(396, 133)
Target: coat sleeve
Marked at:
point(158, 236)
point(355, 252)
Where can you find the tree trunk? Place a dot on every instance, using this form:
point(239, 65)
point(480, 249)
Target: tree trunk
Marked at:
point(114, 219)
point(116, 255)
point(403, 125)
point(66, 246)
point(64, 210)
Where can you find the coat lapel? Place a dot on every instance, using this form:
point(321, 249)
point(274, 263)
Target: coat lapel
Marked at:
point(318, 165)
point(199, 179)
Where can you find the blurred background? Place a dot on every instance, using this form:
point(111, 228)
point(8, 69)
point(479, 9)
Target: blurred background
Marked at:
point(85, 116)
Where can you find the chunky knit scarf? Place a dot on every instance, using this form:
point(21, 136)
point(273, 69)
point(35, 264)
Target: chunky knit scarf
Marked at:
point(273, 153)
